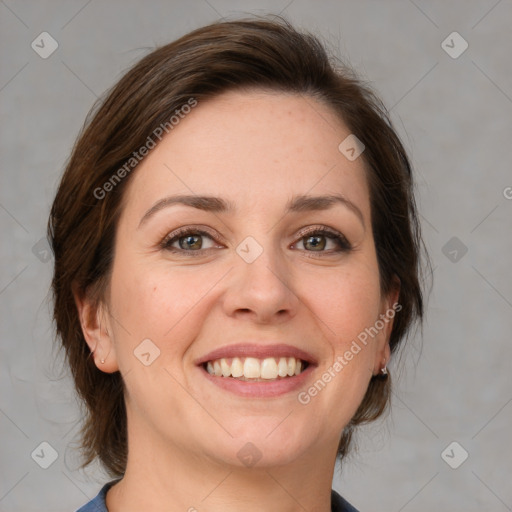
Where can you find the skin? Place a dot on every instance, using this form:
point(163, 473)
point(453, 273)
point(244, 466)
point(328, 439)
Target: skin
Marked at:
point(256, 149)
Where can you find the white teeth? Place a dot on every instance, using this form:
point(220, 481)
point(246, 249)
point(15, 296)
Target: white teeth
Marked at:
point(226, 370)
point(282, 367)
point(291, 366)
point(269, 368)
point(252, 368)
point(237, 368)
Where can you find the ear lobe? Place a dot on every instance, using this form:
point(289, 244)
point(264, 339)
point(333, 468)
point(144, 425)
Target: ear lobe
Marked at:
point(94, 324)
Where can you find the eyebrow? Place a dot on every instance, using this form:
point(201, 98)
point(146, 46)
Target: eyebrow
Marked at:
point(301, 203)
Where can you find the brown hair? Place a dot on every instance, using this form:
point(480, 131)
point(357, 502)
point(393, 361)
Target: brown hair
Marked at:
point(250, 53)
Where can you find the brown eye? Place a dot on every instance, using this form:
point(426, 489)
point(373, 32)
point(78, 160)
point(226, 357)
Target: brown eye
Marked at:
point(323, 240)
point(315, 242)
point(190, 242)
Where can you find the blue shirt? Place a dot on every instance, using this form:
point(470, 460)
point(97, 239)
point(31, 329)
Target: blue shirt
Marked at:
point(338, 504)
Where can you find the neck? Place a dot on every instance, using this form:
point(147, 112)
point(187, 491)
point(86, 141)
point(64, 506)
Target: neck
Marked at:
point(168, 478)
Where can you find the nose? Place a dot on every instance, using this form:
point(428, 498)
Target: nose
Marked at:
point(261, 291)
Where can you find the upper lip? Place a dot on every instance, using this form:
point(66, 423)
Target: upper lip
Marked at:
point(258, 351)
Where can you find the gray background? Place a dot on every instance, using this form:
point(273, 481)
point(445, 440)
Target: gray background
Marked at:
point(454, 115)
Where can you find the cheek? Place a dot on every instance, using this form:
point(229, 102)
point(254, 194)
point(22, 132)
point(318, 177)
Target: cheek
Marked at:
point(158, 304)
point(348, 302)
point(346, 306)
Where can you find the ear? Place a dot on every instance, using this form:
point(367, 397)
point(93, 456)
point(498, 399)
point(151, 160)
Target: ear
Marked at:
point(389, 308)
point(97, 330)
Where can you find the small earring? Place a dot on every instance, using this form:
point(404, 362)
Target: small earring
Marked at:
point(103, 361)
point(384, 370)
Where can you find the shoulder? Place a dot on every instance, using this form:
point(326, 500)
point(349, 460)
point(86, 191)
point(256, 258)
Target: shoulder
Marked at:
point(339, 504)
point(98, 504)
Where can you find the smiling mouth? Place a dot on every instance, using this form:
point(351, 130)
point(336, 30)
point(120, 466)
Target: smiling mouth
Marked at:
point(252, 369)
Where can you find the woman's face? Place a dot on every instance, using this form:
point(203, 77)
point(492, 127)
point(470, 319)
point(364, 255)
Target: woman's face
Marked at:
point(246, 274)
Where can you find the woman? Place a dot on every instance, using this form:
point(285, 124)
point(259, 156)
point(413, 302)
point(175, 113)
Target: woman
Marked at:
point(236, 260)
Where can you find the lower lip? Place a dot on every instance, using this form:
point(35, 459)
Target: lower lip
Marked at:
point(260, 389)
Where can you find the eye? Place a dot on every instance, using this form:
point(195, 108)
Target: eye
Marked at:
point(188, 240)
point(325, 240)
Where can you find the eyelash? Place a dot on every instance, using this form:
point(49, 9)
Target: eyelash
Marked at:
point(343, 244)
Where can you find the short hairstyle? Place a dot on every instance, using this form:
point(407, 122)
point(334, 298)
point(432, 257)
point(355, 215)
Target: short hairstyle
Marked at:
point(263, 53)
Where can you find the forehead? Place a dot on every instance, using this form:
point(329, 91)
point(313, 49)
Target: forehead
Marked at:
point(255, 148)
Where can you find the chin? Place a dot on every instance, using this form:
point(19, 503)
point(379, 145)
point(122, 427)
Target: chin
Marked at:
point(266, 443)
